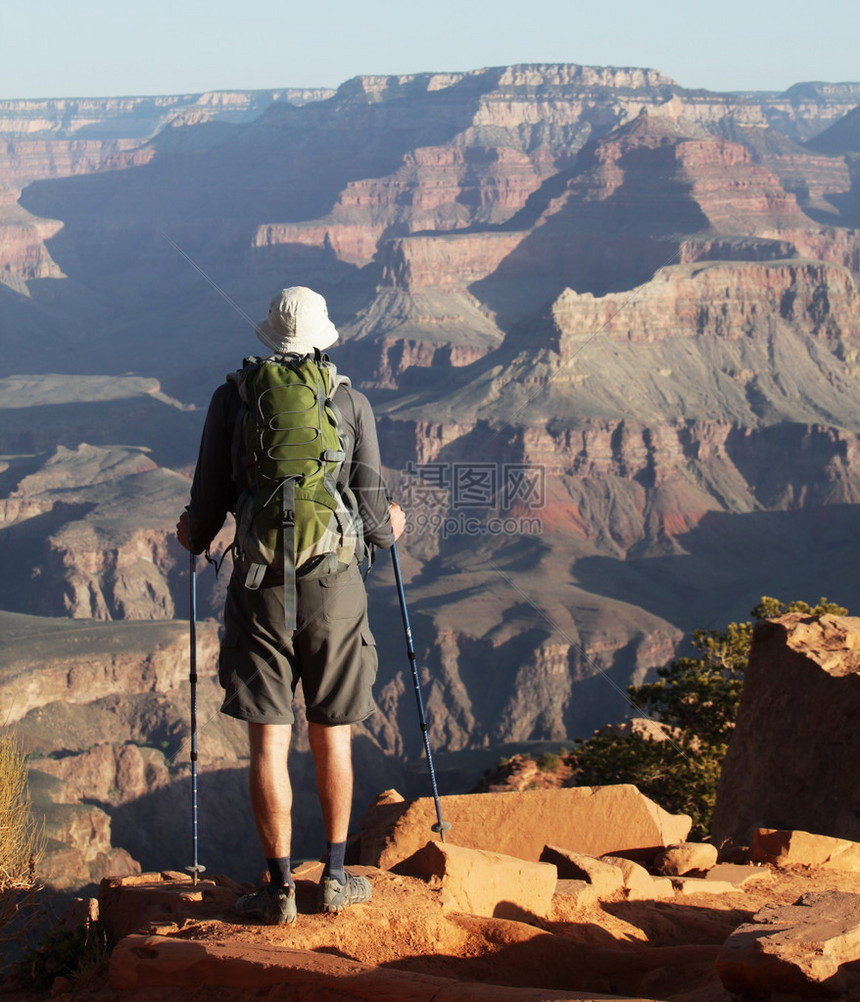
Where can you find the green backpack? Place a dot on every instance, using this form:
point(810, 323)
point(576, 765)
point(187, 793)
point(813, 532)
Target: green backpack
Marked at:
point(287, 456)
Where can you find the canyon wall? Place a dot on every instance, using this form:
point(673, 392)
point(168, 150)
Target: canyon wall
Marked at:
point(610, 329)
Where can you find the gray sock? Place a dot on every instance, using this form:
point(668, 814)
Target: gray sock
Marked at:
point(335, 853)
point(279, 873)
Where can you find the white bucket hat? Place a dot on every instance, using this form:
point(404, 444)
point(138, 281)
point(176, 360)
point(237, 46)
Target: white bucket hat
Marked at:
point(297, 321)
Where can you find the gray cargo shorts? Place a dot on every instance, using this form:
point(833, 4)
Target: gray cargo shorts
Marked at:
point(332, 651)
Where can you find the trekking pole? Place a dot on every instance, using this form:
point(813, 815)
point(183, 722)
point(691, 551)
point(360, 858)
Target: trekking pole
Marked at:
point(195, 868)
point(441, 826)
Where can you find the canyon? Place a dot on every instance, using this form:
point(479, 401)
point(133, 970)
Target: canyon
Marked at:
point(610, 328)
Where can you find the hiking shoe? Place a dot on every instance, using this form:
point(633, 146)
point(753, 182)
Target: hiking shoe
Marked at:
point(272, 906)
point(333, 896)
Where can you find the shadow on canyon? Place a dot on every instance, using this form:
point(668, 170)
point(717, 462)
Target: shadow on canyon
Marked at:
point(729, 561)
point(156, 828)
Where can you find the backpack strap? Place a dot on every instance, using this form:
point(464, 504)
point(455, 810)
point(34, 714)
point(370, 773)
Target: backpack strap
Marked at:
point(256, 572)
point(288, 527)
point(239, 461)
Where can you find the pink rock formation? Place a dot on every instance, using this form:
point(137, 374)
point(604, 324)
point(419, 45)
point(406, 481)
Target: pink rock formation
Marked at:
point(97, 670)
point(438, 188)
point(452, 260)
point(23, 159)
point(108, 772)
point(22, 242)
point(723, 300)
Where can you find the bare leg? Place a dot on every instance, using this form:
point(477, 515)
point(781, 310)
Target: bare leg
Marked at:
point(332, 751)
point(269, 784)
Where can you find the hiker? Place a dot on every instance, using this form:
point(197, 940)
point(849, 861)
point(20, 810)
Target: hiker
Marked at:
point(285, 623)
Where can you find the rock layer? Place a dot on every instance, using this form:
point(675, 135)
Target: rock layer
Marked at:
point(652, 312)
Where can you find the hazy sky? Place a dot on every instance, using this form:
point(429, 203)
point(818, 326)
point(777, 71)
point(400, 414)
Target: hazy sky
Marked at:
point(94, 48)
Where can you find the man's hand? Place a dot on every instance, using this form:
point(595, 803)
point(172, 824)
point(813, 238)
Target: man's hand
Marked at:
point(182, 530)
point(398, 519)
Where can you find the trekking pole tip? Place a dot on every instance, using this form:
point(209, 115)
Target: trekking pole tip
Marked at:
point(440, 828)
point(194, 869)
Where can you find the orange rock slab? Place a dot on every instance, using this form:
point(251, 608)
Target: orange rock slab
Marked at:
point(485, 883)
point(597, 821)
point(784, 848)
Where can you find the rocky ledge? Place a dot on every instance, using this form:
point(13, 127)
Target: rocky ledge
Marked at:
point(455, 922)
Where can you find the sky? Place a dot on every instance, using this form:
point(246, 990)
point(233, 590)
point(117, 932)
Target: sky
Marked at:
point(111, 48)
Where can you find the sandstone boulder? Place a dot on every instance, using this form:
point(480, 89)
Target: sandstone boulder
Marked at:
point(80, 912)
point(600, 820)
point(580, 891)
point(485, 883)
point(802, 949)
point(606, 879)
point(689, 857)
point(783, 848)
point(638, 883)
point(794, 757)
point(147, 901)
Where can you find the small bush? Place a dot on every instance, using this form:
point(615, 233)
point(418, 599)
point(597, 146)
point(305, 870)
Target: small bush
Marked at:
point(80, 954)
point(21, 839)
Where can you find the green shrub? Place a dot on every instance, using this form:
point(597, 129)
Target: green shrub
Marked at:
point(79, 954)
point(697, 700)
point(548, 762)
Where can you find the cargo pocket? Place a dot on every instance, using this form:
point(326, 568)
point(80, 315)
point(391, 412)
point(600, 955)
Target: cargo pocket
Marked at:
point(343, 595)
point(229, 645)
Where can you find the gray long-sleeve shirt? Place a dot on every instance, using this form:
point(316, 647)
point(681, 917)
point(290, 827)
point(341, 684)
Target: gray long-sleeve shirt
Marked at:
point(214, 493)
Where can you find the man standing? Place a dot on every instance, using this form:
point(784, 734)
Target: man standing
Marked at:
point(331, 650)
